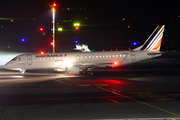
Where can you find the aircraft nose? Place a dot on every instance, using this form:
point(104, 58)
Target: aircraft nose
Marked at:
point(7, 66)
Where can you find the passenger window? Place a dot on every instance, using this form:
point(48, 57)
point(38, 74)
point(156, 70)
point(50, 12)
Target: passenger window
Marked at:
point(89, 56)
point(116, 55)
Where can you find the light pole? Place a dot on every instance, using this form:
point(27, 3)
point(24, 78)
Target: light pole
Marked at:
point(53, 16)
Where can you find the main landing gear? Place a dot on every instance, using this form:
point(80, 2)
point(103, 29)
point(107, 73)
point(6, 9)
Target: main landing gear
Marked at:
point(88, 71)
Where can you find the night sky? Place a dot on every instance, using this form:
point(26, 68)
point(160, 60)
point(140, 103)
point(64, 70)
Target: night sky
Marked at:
point(104, 24)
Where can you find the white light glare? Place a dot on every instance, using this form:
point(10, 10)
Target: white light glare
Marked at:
point(67, 64)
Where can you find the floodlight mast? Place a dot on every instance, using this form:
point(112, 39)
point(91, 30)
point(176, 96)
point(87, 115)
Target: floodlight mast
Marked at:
point(53, 30)
point(53, 16)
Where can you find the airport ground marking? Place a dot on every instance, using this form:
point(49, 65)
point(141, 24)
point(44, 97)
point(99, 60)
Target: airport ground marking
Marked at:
point(83, 85)
point(138, 101)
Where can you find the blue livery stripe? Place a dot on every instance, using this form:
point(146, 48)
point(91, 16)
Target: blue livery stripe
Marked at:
point(155, 39)
point(151, 38)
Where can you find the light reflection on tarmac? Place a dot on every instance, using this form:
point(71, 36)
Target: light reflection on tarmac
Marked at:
point(110, 94)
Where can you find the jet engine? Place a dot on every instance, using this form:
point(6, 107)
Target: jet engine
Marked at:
point(72, 70)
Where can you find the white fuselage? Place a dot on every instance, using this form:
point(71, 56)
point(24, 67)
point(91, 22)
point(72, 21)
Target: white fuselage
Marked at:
point(62, 60)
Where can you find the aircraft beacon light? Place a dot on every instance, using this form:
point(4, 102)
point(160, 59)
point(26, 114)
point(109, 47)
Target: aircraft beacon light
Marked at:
point(42, 52)
point(115, 63)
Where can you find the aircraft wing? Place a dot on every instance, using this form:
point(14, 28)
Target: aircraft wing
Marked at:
point(95, 64)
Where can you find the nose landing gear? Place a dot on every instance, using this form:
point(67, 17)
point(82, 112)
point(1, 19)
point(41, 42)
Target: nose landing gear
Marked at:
point(23, 72)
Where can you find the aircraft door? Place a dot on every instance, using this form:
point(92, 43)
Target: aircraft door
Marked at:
point(29, 59)
point(133, 55)
point(127, 56)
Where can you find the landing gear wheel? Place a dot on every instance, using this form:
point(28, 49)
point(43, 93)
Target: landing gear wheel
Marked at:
point(91, 73)
point(23, 72)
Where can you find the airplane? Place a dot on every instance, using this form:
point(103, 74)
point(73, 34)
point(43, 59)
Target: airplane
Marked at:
point(77, 62)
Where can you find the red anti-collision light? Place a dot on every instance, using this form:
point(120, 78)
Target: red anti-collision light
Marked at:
point(52, 43)
point(42, 53)
point(115, 63)
point(41, 29)
point(54, 4)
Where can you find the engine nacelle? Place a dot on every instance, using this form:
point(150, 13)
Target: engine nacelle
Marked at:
point(72, 70)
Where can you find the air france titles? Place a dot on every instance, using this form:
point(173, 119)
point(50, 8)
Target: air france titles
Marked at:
point(52, 55)
point(55, 55)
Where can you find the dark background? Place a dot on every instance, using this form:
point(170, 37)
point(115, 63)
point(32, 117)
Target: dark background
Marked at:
point(102, 25)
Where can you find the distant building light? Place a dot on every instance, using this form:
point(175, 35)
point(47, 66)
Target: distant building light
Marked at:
point(172, 17)
point(8, 46)
point(2, 26)
point(23, 40)
point(178, 16)
point(133, 17)
point(123, 18)
point(86, 18)
point(128, 26)
point(76, 28)
point(11, 20)
point(67, 8)
point(34, 19)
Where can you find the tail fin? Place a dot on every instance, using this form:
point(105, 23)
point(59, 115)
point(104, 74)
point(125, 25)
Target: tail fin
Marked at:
point(153, 43)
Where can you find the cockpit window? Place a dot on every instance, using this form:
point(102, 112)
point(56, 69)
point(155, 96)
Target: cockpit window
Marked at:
point(16, 59)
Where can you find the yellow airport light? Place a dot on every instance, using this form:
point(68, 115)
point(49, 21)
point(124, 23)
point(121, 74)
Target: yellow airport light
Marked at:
point(60, 29)
point(76, 24)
